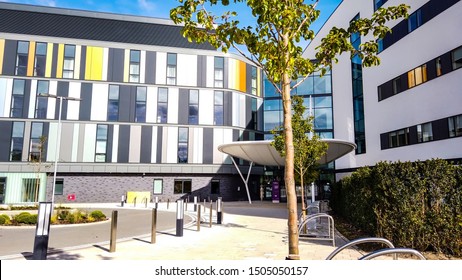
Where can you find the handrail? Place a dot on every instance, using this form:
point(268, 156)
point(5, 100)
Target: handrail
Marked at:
point(330, 226)
point(394, 251)
point(361, 241)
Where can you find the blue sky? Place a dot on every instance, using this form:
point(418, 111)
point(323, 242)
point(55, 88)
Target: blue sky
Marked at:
point(154, 8)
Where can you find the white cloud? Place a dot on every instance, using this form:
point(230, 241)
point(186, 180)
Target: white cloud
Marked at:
point(49, 3)
point(146, 6)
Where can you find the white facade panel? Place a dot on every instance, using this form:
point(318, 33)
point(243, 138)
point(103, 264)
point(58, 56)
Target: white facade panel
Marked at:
point(171, 147)
point(105, 62)
point(73, 106)
point(196, 147)
point(143, 67)
point(135, 144)
point(99, 101)
point(115, 143)
point(3, 94)
point(210, 71)
point(75, 142)
point(78, 55)
point(173, 99)
point(90, 143)
point(154, 145)
point(206, 107)
point(161, 68)
point(217, 140)
point(187, 70)
point(32, 98)
point(52, 102)
point(151, 105)
point(52, 142)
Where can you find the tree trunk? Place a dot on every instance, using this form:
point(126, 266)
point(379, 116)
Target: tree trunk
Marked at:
point(289, 171)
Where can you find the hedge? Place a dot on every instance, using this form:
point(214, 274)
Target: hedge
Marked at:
point(413, 204)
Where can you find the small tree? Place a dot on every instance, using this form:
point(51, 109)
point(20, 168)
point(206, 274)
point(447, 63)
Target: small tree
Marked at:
point(272, 44)
point(308, 146)
point(36, 159)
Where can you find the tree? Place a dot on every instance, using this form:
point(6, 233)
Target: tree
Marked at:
point(308, 146)
point(272, 44)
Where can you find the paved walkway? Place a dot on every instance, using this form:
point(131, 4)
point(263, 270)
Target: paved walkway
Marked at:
point(257, 231)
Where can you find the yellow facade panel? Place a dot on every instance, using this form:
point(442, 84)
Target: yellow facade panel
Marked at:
point(2, 50)
point(88, 60)
point(96, 64)
point(49, 60)
point(31, 59)
point(242, 76)
point(59, 70)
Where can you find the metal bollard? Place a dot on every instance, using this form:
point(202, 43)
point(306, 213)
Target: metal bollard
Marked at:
point(198, 217)
point(195, 203)
point(211, 208)
point(179, 217)
point(204, 204)
point(186, 201)
point(168, 203)
point(112, 244)
point(153, 225)
point(219, 211)
point(157, 202)
point(122, 201)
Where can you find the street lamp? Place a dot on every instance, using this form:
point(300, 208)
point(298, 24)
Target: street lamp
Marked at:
point(46, 208)
point(58, 146)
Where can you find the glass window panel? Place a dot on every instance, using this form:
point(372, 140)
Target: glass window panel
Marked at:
point(41, 107)
point(219, 62)
point(218, 115)
point(411, 78)
point(171, 59)
point(134, 56)
point(457, 58)
point(18, 87)
point(307, 86)
point(218, 98)
point(158, 188)
point(322, 84)
point(218, 74)
point(68, 64)
point(140, 94)
point(18, 129)
point(36, 131)
point(59, 187)
point(42, 87)
point(323, 102)
point(269, 89)
point(271, 105)
point(323, 118)
point(140, 112)
point(41, 49)
point(193, 96)
point(187, 186)
point(134, 69)
point(163, 95)
point(183, 134)
point(162, 113)
point(101, 132)
point(69, 50)
point(100, 147)
point(193, 114)
point(23, 47)
point(272, 119)
point(100, 158)
point(114, 92)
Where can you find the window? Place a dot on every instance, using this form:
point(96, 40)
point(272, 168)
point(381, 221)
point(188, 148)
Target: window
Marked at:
point(135, 66)
point(162, 105)
point(218, 108)
point(379, 3)
point(40, 59)
point(399, 138)
point(183, 145)
point(193, 112)
point(219, 72)
point(417, 76)
point(414, 21)
point(41, 104)
point(101, 143)
point(17, 138)
point(215, 187)
point(254, 80)
point(140, 110)
point(36, 142)
point(424, 132)
point(59, 186)
point(158, 186)
point(69, 61)
point(113, 103)
point(254, 121)
point(455, 126)
point(171, 69)
point(182, 186)
point(457, 58)
point(439, 69)
point(17, 98)
point(380, 45)
point(22, 58)
point(397, 85)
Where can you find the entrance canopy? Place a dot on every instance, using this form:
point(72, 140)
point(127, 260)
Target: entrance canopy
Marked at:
point(262, 153)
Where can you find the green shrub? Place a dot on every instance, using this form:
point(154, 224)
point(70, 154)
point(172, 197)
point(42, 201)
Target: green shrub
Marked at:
point(98, 215)
point(5, 219)
point(26, 218)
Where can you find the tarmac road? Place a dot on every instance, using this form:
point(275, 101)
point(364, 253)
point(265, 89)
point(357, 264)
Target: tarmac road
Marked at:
point(131, 223)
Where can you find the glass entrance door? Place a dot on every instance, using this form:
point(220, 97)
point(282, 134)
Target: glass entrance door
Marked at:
point(30, 190)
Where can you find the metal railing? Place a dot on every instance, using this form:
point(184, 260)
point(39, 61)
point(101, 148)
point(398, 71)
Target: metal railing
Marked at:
point(361, 241)
point(394, 251)
point(329, 235)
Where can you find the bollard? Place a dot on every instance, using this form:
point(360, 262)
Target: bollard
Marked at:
point(122, 200)
point(134, 202)
point(153, 225)
point(157, 202)
point(168, 203)
point(112, 244)
point(186, 201)
point(219, 211)
point(179, 217)
point(195, 203)
point(204, 204)
point(211, 208)
point(198, 217)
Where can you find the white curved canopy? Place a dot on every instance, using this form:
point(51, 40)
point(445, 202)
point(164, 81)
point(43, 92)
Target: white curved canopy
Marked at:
point(262, 153)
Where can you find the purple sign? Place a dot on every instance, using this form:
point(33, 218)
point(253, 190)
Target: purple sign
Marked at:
point(275, 192)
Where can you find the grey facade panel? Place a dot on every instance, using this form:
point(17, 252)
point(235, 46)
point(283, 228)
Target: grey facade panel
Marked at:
point(248, 78)
point(183, 104)
point(110, 144)
point(85, 104)
point(228, 108)
point(110, 65)
point(54, 61)
point(201, 71)
point(208, 146)
point(117, 67)
point(225, 73)
point(146, 144)
point(124, 144)
point(25, 111)
point(5, 140)
point(63, 90)
point(45, 132)
point(132, 103)
point(248, 112)
point(9, 57)
point(83, 62)
point(64, 25)
point(159, 144)
point(124, 98)
point(150, 75)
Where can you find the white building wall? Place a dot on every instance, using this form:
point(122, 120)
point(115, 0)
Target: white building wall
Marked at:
point(187, 70)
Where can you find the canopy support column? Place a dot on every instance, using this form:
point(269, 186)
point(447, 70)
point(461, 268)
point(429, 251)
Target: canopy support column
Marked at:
point(246, 181)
